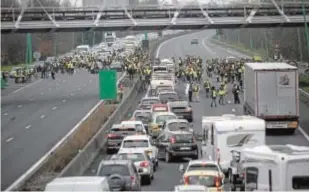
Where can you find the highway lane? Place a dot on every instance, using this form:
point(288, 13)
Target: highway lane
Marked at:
point(36, 117)
point(168, 175)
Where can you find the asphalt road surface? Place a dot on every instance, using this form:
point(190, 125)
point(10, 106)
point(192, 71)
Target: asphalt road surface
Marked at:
point(167, 175)
point(35, 117)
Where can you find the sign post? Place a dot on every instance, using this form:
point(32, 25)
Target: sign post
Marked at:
point(108, 84)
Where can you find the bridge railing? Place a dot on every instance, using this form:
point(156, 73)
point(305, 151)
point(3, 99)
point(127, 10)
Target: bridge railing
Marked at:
point(147, 12)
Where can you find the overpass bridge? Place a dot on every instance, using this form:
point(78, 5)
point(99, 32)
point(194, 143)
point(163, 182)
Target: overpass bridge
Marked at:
point(51, 19)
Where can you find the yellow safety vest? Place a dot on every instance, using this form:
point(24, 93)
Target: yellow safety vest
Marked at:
point(221, 92)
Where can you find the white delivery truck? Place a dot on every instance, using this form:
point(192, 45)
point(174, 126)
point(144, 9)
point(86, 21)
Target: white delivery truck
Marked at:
point(271, 93)
point(228, 133)
point(275, 168)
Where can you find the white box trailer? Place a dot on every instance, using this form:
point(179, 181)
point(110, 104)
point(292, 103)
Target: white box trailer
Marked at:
point(275, 168)
point(227, 133)
point(271, 93)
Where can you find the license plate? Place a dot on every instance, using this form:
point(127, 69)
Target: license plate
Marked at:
point(185, 148)
point(277, 125)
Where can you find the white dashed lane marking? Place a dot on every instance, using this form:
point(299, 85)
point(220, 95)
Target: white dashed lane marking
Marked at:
point(63, 101)
point(79, 89)
point(31, 99)
point(72, 94)
point(42, 93)
point(54, 108)
point(19, 106)
point(5, 114)
point(28, 127)
point(9, 139)
point(42, 116)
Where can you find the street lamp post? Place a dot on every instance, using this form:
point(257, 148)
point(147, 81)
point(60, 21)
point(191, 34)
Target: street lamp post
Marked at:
point(306, 26)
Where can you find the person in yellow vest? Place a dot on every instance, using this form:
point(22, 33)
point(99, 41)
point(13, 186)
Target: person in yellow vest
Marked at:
point(221, 94)
point(213, 97)
point(196, 91)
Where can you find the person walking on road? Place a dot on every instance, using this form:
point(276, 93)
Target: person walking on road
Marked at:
point(213, 97)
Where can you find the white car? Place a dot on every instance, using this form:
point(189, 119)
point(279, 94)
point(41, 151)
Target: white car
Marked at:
point(137, 124)
point(143, 142)
point(141, 160)
point(203, 165)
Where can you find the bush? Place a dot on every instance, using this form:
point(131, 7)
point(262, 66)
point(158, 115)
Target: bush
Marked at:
point(304, 80)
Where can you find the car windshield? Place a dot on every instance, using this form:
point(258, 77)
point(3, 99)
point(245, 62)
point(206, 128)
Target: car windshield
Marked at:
point(135, 143)
point(108, 170)
point(176, 126)
point(131, 156)
point(168, 96)
point(163, 118)
point(206, 180)
point(184, 138)
point(203, 167)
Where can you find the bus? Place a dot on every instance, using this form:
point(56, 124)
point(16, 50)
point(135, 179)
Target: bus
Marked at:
point(110, 38)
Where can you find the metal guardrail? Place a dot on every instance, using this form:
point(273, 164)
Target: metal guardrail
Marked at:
point(40, 163)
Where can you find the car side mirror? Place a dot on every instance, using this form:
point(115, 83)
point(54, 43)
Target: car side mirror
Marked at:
point(181, 168)
point(140, 170)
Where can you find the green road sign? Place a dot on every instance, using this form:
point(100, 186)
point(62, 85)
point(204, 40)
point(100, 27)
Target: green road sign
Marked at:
point(108, 84)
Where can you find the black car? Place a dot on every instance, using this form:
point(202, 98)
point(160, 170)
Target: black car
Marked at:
point(116, 135)
point(122, 175)
point(175, 145)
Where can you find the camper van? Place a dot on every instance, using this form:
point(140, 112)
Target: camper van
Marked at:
point(274, 168)
point(110, 38)
point(223, 134)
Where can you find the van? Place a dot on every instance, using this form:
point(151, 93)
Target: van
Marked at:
point(86, 183)
point(228, 133)
point(275, 168)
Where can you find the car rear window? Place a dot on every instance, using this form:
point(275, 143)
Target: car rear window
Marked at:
point(108, 170)
point(206, 180)
point(178, 126)
point(123, 130)
point(150, 101)
point(168, 96)
point(131, 156)
point(203, 167)
point(162, 118)
point(135, 143)
point(184, 138)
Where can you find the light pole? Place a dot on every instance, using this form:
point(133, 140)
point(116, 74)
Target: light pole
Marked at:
point(306, 25)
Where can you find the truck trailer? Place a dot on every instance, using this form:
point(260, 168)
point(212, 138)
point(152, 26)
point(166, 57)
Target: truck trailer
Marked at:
point(271, 93)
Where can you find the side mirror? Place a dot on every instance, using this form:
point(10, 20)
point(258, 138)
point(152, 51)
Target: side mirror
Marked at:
point(140, 170)
point(181, 168)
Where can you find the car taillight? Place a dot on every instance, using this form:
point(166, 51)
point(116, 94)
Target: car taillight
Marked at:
point(186, 180)
point(144, 164)
point(132, 178)
point(218, 183)
point(111, 135)
point(173, 140)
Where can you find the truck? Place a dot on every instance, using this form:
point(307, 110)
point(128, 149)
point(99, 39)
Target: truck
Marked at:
point(271, 93)
point(110, 38)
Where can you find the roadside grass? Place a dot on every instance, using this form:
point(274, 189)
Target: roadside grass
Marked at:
point(9, 67)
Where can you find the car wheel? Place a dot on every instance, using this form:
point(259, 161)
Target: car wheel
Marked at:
point(147, 180)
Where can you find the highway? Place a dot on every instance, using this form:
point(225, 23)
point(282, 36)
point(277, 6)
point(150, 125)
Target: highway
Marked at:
point(167, 175)
point(35, 117)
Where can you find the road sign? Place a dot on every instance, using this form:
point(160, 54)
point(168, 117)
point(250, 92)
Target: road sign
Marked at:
point(108, 84)
point(37, 55)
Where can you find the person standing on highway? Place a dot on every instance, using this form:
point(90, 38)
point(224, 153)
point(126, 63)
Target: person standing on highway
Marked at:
point(213, 97)
point(221, 95)
point(190, 91)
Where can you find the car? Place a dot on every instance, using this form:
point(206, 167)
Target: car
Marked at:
point(143, 116)
point(194, 41)
point(177, 144)
point(157, 121)
point(14, 71)
point(182, 109)
point(115, 136)
point(191, 188)
point(166, 88)
point(142, 162)
point(146, 102)
point(122, 175)
point(137, 124)
point(177, 125)
point(204, 165)
point(210, 179)
point(168, 96)
point(143, 142)
point(159, 108)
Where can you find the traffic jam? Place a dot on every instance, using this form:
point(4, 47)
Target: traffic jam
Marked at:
point(229, 155)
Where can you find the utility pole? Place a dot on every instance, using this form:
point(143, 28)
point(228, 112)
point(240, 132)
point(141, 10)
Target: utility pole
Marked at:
point(29, 49)
point(300, 47)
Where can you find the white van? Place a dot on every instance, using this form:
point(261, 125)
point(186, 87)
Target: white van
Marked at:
point(78, 184)
point(82, 48)
point(228, 133)
point(276, 168)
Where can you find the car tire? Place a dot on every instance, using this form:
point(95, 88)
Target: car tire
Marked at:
point(147, 180)
point(109, 151)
